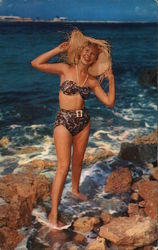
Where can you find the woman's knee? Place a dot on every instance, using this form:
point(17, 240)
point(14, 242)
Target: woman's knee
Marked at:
point(62, 169)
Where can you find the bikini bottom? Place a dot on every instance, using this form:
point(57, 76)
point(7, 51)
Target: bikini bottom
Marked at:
point(73, 120)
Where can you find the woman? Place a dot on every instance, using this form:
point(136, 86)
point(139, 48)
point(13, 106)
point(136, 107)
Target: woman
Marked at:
point(86, 59)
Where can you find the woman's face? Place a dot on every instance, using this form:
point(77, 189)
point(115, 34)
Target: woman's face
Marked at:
point(88, 55)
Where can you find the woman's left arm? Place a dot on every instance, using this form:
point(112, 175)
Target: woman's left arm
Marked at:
point(107, 99)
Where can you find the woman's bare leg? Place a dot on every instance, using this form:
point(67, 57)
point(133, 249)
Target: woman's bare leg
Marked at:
point(79, 146)
point(63, 142)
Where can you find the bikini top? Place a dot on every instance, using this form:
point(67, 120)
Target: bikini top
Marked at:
point(69, 87)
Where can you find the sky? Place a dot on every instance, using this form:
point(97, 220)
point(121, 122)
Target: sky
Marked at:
point(107, 10)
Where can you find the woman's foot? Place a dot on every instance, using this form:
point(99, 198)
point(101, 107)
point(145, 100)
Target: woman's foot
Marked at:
point(57, 226)
point(80, 196)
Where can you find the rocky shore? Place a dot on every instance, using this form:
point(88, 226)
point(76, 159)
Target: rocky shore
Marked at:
point(136, 228)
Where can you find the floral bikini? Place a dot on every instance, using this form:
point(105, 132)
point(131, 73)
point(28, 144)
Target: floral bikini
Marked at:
point(73, 120)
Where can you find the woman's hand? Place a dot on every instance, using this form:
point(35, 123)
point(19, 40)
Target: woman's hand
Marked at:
point(63, 47)
point(108, 73)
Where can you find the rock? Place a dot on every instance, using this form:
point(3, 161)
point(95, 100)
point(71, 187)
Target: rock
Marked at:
point(134, 209)
point(135, 185)
point(9, 238)
point(149, 248)
point(26, 150)
point(4, 142)
point(130, 232)
point(71, 246)
point(148, 77)
point(149, 165)
point(41, 164)
point(85, 224)
point(20, 193)
point(119, 181)
point(106, 217)
point(141, 204)
point(141, 152)
point(80, 238)
point(98, 243)
point(96, 155)
point(148, 190)
point(135, 196)
point(151, 138)
point(143, 149)
point(155, 173)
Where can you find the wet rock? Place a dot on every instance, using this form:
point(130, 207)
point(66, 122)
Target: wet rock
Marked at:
point(133, 209)
point(135, 185)
point(130, 232)
point(71, 246)
point(88, 186)
point(141, 152)
point(155, 173)
point(151, 138)
point(85, 224)
point(97, 155)
point(134, 196)
point(80, 238)
point(141, 204)
point(143, 149)
point(27, 150)
point(149, 165)
point(41, 164)
point(4, 142)
point(148, 77)
point(20, 193)
point(148, 190)
point(9, 238)
point(106, 217)
point(119, 181)
point(99, 243)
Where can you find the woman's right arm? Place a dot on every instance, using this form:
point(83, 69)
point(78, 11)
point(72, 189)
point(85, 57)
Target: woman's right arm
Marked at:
point(41, 62)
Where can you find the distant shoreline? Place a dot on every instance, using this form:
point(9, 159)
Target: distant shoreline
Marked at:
point(77, 21)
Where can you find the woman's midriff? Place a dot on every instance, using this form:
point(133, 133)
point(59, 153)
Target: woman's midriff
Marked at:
point(70, 102)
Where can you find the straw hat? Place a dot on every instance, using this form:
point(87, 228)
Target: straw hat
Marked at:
point(77, 41)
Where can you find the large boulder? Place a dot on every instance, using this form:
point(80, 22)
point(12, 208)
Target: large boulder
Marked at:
point(143, 149)
point(19, 194)
point(9, 238)
point(130, 232)
point(119, 181)
point(148, 190)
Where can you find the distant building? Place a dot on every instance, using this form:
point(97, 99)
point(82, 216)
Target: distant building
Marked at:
point(15, 19)
point(10, 18)
point(60, 19)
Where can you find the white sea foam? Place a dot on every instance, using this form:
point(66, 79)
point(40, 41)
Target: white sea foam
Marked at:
point(147, 125)
point(34, 126)
point(154, 106)
point(99, 132)
point(13, 126)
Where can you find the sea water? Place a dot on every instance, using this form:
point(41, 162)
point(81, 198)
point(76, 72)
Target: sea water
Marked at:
point(29, 98)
